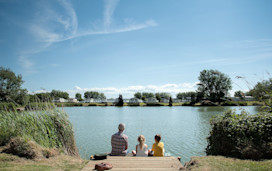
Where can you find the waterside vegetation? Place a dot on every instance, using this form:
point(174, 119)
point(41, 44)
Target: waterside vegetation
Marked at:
point(36, 133)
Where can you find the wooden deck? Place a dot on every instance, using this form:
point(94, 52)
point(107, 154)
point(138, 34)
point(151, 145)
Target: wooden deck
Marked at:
point(138, 163)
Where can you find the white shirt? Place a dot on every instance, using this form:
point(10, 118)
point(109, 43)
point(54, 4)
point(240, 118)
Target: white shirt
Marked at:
point(143, 152)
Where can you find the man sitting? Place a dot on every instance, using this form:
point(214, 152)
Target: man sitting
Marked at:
point(119, 142)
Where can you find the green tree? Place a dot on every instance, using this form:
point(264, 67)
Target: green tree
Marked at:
point(183, 95)
point(59, 94)
point(239, 94)
point(43, 97)
point(162, 95)
point(138, 95)
point(10, 87)
point(120, 101)
point(214, 85)
point(262, 89)
point(146, 95)
point(78, 97)
point(94, 95)
point(170, 101)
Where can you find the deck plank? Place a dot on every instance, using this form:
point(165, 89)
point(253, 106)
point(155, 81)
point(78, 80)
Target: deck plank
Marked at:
point(138, 163)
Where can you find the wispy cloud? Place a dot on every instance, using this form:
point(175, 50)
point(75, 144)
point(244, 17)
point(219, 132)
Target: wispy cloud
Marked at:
point(69, 24)
point(52, 26)
point(110, 6)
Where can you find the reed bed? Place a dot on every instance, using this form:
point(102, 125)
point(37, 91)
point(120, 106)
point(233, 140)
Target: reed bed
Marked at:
point(49, 128)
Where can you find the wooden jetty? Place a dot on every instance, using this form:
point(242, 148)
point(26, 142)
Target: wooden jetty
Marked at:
point(138, 163)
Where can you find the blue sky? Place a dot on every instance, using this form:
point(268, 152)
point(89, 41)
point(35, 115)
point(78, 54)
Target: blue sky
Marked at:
point(123, 47)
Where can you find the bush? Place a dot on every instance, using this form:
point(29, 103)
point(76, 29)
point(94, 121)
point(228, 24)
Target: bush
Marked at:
point(133, 104)
point(187, 104)
point(48, 128)
point(233, 103)
point(243, 136)
point(154, 104)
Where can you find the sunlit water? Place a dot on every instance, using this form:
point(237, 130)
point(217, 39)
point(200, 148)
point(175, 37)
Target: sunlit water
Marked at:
point(183, 129)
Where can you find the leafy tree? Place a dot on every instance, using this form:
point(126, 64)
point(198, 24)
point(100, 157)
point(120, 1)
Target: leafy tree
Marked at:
point(43, 97)
point(10, 87)
point(239, 94)
point(120, 101)
point(162, 95)
point(249, 93)
point(78, 97)
point(146, 95)
point(214, 85)
point(262, 89)
point(170, 101)
point(94, 95)
point(59, 94)
point(183, 95)
point(138, 95)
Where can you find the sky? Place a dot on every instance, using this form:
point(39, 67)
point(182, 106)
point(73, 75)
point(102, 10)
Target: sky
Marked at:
point(122, 47)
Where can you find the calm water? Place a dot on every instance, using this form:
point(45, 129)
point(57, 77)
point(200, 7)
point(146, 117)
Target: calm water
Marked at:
point(183, 129)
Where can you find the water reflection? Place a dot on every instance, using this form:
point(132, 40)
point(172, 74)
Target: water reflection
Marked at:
point(184, 129)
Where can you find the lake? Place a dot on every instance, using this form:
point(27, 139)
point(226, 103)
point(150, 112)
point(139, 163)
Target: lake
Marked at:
point(184, 129)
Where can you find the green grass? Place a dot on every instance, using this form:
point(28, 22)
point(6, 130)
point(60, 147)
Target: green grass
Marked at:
point(48, 128)
point(63, 162)
point(224, 163)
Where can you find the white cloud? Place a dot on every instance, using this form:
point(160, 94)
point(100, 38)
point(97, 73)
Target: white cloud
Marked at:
point(51, 26)
point(110, 6)
point(128, 92)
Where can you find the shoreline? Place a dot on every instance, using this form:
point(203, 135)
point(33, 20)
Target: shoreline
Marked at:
point(238, 103)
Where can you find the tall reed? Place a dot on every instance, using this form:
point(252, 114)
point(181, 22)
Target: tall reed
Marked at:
point(49, 128)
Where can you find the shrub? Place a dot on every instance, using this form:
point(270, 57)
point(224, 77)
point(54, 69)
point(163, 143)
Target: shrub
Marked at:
point(48, 128)
point(154, 104)
point(234, 103)
point(186, 104)
point(133, 104)
point(242, 136)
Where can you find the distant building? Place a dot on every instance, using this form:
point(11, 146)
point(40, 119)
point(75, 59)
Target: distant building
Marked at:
point(246, 98)
point(135, 100)
point(186, 99)
point(249, 98)
point(151, 100)
point(126, 100)
point(59, 100)
point(72, 100)
point(89, 100)
point(176, 100)
point(164, 100)
point(111, 100)
point(100, 100)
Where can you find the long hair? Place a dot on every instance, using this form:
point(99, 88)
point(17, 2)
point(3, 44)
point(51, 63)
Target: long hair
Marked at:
point(141, 140)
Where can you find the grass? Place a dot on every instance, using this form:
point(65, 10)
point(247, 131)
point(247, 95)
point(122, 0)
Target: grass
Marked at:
point(62, 162)
point(49, 128)
point(224, 163)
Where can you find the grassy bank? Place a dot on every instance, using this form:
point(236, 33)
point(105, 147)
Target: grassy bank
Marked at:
point(224, 163)
point(49, 128)
point(61, 162)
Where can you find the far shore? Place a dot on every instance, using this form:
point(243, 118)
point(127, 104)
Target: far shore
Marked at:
point(233, 103)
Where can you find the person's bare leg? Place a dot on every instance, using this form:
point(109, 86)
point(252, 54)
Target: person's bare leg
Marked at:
point(134, 152)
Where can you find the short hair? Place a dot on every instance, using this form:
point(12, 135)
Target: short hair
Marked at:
point(158, 137)
point(121, 127)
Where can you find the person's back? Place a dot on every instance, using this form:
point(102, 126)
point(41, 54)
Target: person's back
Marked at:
point(119, 142)
point(158, 147)
point(142, 152)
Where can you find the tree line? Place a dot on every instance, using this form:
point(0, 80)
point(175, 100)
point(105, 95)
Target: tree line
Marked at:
point(213, 85)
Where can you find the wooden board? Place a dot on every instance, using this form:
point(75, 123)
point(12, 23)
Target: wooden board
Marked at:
point(138, 163)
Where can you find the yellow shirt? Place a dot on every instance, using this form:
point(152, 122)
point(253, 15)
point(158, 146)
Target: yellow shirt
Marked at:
point(157, 147)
